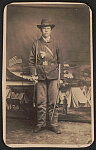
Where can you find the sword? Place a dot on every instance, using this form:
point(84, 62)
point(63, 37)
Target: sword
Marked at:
point(35, 85)
point(58, 92)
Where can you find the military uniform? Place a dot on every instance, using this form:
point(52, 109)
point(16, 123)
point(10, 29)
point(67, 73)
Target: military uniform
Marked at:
point(47, 71)
point(47, 67)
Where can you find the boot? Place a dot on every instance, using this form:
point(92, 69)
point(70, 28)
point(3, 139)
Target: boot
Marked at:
point(38, 129)
point(55, 129)
point(53, 122)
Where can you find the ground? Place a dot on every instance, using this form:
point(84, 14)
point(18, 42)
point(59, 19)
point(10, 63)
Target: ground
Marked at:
point(19, 131)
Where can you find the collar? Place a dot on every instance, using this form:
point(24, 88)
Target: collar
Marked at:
point(47, 40)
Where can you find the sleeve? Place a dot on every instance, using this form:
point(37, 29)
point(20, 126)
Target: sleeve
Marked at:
point(32, 60)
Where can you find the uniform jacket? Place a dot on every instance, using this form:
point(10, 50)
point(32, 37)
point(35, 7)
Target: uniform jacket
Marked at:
point(47, 66)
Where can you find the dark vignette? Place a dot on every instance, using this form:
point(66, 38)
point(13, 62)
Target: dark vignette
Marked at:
point(3, 3)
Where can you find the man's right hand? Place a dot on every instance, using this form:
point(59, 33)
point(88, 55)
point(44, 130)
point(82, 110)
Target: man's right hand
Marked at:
point(35, 78)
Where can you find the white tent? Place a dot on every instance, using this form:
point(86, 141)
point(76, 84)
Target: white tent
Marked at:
point(87, 92)
point(76, 98)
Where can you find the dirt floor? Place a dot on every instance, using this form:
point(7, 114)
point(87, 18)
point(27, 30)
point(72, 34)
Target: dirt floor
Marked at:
point(21, 132)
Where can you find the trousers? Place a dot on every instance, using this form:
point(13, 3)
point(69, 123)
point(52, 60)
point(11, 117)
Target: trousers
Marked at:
point(47, 92)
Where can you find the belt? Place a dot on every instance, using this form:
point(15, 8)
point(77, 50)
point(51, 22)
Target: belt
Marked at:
point(46, 63)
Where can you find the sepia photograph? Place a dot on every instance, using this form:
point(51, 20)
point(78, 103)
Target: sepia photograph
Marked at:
point(47, 75)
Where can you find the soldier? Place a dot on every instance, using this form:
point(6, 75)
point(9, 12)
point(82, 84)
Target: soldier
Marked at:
point(45, 56)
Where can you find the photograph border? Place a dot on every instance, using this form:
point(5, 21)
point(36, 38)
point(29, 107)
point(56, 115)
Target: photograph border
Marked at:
point(4, 78)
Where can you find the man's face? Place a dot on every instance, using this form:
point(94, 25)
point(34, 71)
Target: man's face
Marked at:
point(46, 31)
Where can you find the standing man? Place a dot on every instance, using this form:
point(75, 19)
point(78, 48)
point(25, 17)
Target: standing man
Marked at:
point(45, 58)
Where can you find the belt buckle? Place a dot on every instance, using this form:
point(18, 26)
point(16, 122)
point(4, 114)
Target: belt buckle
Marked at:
point(45, 63)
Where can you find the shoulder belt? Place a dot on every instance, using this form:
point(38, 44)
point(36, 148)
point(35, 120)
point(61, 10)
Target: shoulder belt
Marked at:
point(49, 50)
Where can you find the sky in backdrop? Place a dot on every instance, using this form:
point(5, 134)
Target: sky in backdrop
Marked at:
point(72, 30)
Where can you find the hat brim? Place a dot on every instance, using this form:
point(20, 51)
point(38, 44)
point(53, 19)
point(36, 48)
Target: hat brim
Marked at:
point(41, 26)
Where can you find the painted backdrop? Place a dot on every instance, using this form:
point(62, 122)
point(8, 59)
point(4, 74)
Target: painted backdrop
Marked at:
point(72, 30)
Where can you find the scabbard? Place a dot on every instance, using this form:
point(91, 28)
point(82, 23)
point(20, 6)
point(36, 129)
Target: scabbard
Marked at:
point(58, 92)
point(35, 83)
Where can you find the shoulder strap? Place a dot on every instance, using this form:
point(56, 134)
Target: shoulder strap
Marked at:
point(49, 50)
